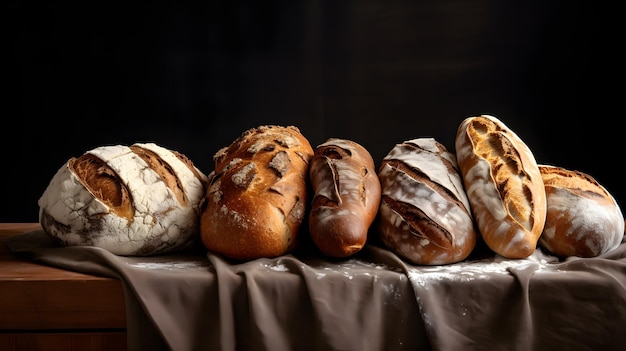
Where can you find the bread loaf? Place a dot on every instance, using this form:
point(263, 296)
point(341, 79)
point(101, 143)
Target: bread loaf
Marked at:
point(258, 194)
point(503, 185)
point(346, 197)
point(135, 201)
point(424, 215)
point(583, 218)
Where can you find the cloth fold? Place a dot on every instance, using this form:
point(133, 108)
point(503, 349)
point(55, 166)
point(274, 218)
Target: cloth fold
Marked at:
point(196, 300)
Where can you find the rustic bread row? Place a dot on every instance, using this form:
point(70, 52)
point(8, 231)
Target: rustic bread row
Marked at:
point(427, 204)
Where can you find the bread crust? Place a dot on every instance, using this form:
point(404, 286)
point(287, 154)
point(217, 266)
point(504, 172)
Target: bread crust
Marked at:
point(503, 184)
point(424, 215)
point(346, 197)
point(257, 195)
point(583, 218)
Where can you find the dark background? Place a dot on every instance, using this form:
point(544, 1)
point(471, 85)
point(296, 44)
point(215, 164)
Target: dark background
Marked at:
point(192, 78)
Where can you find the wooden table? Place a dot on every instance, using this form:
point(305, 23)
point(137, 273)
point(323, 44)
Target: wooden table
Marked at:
point(46, 308)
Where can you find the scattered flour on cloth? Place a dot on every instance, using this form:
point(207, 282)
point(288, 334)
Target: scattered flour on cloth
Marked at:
point(480, 269)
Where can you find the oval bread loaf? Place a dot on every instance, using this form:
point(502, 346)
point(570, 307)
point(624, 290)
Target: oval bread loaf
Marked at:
point(583, 218)
point(258, 194)
point(346, 197)
point(424, 215)
point(503, 184)
point(134, 201)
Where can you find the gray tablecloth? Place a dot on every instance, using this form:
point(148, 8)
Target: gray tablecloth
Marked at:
point(373, 301)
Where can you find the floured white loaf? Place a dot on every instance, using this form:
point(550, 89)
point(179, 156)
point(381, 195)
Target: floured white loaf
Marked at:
point(503, 185)
point(424, 215)
point(346, 195)
point(258, 194)
point(134, 201)
point(583, 218)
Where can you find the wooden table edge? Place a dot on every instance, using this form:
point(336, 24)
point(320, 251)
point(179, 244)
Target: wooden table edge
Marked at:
point(40, 297)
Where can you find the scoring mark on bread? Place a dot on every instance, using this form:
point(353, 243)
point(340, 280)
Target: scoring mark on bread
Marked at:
point(165, 172)
point(306, 158)
point(511, 180)
point(244, 176)
point(333, 191)
point(334, 152)
point(423, 178)
point(297, 212)
point(362, 188)
point(281, 163)
point(578, 183)
point(331, 155)
point(104, 183)
point(262, 144)
point(442, 157)
point(189, 164)
point(286, 141)
point(419, 223)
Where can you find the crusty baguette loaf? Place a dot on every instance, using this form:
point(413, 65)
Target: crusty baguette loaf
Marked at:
point(134, 201)
point(346, 197)
point(583, 218)
point(424, 215)
point(258, 194)
point(503, 184)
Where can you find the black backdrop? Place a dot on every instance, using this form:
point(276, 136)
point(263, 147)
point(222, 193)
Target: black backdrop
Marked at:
point(192, 78)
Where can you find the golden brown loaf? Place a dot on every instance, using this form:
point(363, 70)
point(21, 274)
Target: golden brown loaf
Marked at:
point(424, 214)
point(258, 194)
point(135, 201)
point(346, 197)
point(583, 218)
point(503, 184)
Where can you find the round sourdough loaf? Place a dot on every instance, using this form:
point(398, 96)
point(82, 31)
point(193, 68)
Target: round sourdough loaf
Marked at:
point(346, 197)
point(583, 218)
point(134, 201)
point(424, 214)
point(503, 184)
point(257, 195)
